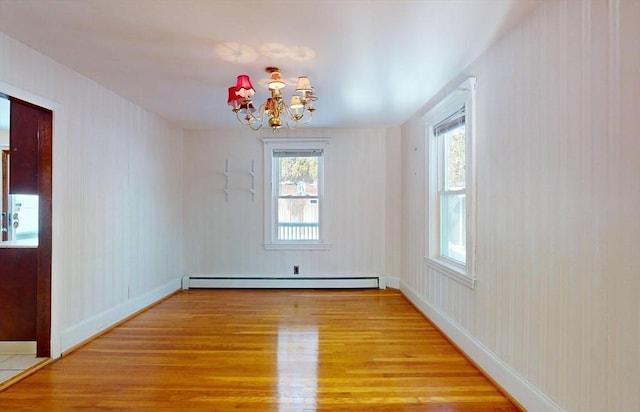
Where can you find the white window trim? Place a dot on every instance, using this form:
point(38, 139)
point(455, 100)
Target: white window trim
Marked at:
point(463, 273)
point(270, 241)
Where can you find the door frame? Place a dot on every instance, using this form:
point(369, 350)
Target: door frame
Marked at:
point(45, 232)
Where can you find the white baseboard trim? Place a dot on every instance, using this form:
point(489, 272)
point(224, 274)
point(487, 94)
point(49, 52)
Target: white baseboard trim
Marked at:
point(84, 330)
point(203, 281)
point(521, 389)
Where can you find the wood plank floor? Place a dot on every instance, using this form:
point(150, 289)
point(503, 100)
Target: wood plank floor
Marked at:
point(265, 350)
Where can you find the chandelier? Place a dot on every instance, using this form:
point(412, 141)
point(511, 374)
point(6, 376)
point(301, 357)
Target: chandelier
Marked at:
point(298, 112)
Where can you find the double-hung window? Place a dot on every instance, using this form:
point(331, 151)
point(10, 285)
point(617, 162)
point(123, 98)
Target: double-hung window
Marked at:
point(450, 223)
point(294, 195)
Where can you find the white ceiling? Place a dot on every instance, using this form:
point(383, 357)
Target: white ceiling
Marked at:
point(371, 62)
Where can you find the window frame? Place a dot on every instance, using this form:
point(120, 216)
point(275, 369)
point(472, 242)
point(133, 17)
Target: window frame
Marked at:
point(462, 96)
point(271, 193)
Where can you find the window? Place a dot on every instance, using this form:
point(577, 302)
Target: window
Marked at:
point(294, 195)
point(450, 228)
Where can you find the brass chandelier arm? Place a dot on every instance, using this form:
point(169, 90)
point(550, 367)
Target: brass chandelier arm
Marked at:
point(247, 118)
point(297, 118)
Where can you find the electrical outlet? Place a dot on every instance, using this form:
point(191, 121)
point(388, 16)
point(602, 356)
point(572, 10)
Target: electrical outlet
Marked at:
point(296, 270)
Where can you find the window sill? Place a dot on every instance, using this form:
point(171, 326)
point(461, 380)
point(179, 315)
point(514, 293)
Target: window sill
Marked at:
point(22, 243)
point(298, 246)
point(456, 273)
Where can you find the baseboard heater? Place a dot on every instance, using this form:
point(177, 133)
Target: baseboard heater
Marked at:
point(229, 282)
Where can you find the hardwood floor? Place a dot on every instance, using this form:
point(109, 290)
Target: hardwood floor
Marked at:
point(265, 350)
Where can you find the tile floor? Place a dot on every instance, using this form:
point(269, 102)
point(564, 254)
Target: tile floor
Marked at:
point(14, 364)
point(16, 357)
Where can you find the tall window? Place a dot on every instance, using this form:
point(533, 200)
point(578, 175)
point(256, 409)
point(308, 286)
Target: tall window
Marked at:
point(450, 228)
point(294, 195)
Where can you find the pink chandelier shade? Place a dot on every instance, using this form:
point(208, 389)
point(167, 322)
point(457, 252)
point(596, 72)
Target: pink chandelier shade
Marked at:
point(244, 87)
point(234, 99)
point(238, 102)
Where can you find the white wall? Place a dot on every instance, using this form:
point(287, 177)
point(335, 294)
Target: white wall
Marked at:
point(226, 238)
point(117, 196)
point(556, 303)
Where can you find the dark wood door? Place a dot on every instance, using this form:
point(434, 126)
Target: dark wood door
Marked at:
point(25, 273)
point(23, 143)
point(18, 293)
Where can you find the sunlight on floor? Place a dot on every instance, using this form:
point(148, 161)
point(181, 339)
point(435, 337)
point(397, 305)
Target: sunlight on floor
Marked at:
point(297, 367)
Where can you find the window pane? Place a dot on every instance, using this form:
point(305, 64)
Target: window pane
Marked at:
point(298, 219)
point(23, 213)
point(298, 176)
point(453, 227)
point(455, 158)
